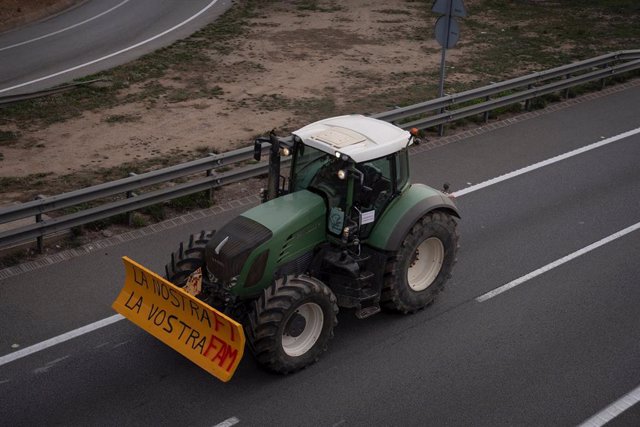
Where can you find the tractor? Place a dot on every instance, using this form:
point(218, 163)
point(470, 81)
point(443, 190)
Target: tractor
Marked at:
point(345, 229)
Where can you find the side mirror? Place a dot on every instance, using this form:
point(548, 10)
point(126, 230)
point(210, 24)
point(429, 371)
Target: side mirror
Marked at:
point(415, 137)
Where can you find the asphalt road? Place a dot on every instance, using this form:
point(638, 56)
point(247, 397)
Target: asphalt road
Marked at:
point(555, 350)
point(94, 36)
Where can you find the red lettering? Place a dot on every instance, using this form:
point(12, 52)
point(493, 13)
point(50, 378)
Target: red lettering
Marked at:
point(218, 321)
point(212, 344)
point(229, 353)
point(233, 333)
point(223, 354)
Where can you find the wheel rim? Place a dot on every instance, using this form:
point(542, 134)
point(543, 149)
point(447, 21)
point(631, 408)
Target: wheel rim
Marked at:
point(306, 338)
point(425, 264)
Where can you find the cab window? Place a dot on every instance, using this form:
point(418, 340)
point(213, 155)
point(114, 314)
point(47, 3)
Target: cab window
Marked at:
point(307, 161)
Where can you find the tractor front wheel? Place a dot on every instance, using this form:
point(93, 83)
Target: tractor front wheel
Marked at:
point(187, 259)
point(422, 265)
point(291, 323)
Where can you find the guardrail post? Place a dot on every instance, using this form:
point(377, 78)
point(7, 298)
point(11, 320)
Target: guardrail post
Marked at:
point(527, 103)
point(210, 173)
point(130, 194)
point(39, 239)
point(566, 91)
point(441, 126)
point(486, 113)
point(603, 81)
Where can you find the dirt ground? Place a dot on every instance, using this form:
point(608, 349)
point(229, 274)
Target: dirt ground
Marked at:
point(291, 59)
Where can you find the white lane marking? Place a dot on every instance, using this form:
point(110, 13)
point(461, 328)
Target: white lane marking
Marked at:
point(228, 422)
point(64, 29)
point(4, 381)
point(613, 410)
point(557, 263)
point(544, 163)
point(97, 325)
point(49, 365)
point(59, 339)
point(111, 55)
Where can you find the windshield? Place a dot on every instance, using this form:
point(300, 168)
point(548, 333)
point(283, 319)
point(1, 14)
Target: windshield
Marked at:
point(306, 163)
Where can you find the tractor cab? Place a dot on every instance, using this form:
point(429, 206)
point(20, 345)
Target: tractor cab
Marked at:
point(357, 164)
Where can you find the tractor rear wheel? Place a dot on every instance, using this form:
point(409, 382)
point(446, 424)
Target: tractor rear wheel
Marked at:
point(291, 323)
point(422, 265)
point(187, 259)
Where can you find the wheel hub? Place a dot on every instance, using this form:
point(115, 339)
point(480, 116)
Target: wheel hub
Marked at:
point(296, 325)
point(302, 329)
point(425, 264)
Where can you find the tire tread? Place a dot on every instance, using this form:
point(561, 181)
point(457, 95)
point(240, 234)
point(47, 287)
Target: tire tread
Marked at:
point(270, 311)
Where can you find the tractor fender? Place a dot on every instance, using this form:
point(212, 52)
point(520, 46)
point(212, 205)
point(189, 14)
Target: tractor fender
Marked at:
point(404, 211)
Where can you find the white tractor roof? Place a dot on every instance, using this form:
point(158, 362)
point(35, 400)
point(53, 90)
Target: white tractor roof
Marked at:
point(359, 137)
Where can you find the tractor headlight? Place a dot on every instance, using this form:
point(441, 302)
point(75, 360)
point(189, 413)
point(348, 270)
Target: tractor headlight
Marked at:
point(342, 156)
point(345, 232)
point(342, 174)
point(285, 151)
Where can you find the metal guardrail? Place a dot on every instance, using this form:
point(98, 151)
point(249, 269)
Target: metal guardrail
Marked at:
point(424, 115)
point(568, 74)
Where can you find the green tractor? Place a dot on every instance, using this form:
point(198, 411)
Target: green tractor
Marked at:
point(346, 228)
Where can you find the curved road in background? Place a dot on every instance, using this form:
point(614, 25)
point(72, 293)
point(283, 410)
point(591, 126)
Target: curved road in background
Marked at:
point(94, 36)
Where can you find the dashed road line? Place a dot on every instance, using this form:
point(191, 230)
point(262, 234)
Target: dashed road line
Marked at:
point(613, 410)
point(544, 163)
point(59, 339)
point(120, 344)
point(104, 344)
point(49, 365)
point(557, 263)
point(228, 422)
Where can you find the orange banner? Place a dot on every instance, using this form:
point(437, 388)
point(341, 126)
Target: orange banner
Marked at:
point(199, 332)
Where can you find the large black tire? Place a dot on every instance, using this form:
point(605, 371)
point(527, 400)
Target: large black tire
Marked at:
point(291, 323)
point(422, 265)
point(187, 259)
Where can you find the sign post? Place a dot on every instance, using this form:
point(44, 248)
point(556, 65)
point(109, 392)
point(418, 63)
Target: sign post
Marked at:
point(447, 32)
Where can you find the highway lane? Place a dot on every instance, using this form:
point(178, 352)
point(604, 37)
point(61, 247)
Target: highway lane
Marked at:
point(491, 154)
point(553, 351)
point(94, 36)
